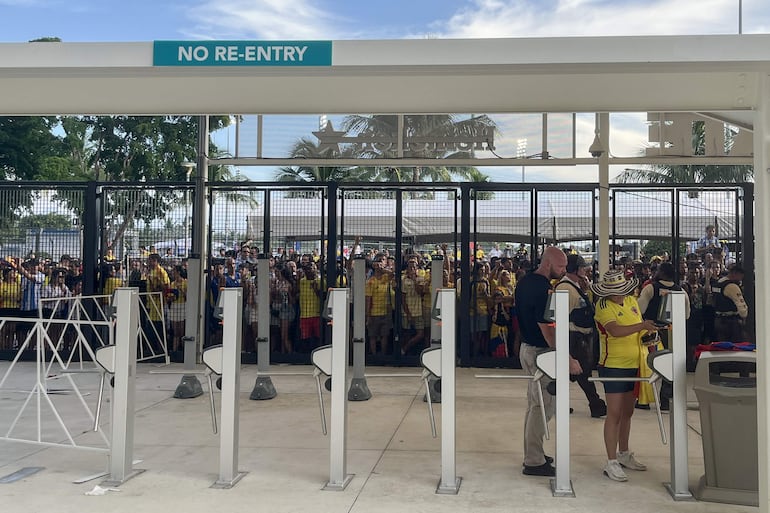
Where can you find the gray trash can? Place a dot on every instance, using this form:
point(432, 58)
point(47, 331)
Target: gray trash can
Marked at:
point(728, 417)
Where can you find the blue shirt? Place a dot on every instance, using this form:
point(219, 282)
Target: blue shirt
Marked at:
point(30, 292)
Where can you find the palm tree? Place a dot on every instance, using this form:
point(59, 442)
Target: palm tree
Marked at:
point(477, 176)
point(436, 126)
point(665, 173)
point(307, 149)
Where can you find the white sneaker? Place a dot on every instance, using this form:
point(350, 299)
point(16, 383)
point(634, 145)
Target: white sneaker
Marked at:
point(627, 460)
point(614, 471)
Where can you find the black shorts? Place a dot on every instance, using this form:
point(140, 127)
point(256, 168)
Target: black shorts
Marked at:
point(618, 387)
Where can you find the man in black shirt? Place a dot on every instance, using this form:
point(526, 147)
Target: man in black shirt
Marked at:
point(538, 333)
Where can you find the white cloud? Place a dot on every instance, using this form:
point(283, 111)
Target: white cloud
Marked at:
point(531, 18)
point(260, 19)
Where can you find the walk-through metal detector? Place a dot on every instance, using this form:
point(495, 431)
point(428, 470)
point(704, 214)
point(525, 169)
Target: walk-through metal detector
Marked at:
point(332, 361)
point(670, 365)
point(439, 363)
point(225, 361)
point(263, 386)
point(123, 365)
point(359, 390)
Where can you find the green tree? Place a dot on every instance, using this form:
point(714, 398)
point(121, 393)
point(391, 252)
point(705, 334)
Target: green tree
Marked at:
point(437, 126)
point(307, 149)
point(675, 174)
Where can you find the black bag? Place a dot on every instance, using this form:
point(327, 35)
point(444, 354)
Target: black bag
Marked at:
point(582, 317)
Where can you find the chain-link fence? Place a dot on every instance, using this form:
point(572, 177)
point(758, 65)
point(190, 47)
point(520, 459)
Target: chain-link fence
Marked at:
point(102, 235)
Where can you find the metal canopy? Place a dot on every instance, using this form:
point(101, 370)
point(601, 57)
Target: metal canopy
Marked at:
point(714, 74)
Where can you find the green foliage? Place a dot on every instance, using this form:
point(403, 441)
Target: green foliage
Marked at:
point(657, 247)
point(25, 143)
point(49, 221)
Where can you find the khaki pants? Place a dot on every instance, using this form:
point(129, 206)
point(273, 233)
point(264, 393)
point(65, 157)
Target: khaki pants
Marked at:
point(534, 430)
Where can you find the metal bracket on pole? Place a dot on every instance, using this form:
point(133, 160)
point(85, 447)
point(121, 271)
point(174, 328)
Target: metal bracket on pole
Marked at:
point(263, 386)
point(561, 485)
point(231, 301)
point(123, 404)
point(337, 310)
point(359, 389)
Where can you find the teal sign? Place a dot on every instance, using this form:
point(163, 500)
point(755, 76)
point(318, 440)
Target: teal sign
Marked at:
point(242, 53)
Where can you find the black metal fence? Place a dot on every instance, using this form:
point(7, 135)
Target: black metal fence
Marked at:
point(95, 224)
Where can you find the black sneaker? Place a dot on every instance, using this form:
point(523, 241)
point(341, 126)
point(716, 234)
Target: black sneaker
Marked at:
point(546, 469)
point(548, 460)
point(642, 406)
point(598, 410)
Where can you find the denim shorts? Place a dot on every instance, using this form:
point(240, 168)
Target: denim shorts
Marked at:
point(618, 387)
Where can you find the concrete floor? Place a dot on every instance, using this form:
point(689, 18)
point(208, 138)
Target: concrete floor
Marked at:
point(395, 460)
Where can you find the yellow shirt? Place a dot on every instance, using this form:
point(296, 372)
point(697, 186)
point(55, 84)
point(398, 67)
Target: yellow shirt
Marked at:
point(618, 352)
point(10, 294)
point(157, 281)
point(380, 291)
point(309, 302)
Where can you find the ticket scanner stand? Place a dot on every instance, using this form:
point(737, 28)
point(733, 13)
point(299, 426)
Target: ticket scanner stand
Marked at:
point(119, 360)
point(436, 334)
point(555, 364)
point(359, 390)
point(673, 367)
point(225, 360)
point(439, 364)
point(263, 386)
point(670, 365)
point(332, 361)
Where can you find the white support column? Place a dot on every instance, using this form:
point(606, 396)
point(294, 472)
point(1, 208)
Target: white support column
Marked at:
point(678, 488)
point(123, 404)
point(561, 486)
point(232, 306)
point(195, 313)
point(338, 476)
point(603, 126)
point(450, 483)
point(762, 252)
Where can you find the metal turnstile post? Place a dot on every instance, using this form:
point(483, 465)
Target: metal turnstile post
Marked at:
point(678, 488)
point(231, 301)
point(337, 301)
point(263, 386)
point(123, 397)
point(450, 482)
point(561, 486)
point(359, 389)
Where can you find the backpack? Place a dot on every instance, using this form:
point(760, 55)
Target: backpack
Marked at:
point(581, 317)
point(651, 312)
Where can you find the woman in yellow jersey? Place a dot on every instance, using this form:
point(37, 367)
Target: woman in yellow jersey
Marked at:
point(621, 326)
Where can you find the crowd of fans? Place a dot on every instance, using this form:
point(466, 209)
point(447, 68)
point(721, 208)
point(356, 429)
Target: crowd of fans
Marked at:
point(297, 284)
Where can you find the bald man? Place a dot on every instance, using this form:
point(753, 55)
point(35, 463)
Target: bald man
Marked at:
point(538, 333)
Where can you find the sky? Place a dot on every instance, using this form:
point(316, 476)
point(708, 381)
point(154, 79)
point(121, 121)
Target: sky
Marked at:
point(146, 20)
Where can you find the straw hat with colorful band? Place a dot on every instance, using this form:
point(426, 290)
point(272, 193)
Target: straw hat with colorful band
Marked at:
point(614, 283)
